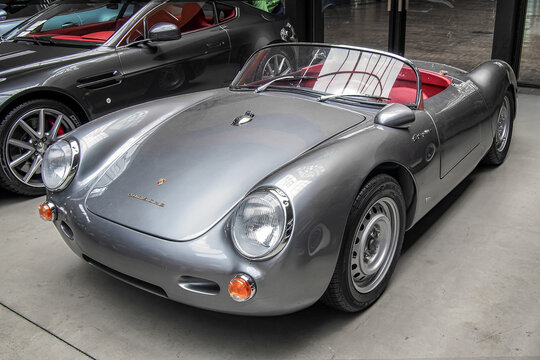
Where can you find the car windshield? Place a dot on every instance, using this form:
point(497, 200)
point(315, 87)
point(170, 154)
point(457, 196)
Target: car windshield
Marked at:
point(331, 73)
point(82, 23)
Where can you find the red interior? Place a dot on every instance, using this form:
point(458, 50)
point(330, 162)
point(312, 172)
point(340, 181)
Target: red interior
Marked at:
point(98, 32)
point(404, 89)
point(226, 12)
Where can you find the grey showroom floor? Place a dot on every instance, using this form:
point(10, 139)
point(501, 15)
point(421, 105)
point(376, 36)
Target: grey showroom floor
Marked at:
point(467, 286)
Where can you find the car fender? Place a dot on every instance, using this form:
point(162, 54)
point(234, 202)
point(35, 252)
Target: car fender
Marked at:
point(332, 173)
point(493, 79)
point(18, 96)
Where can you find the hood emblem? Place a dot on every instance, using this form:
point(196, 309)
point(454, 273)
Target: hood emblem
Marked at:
point(161, 182)
point(243, 119)
point(148, 200)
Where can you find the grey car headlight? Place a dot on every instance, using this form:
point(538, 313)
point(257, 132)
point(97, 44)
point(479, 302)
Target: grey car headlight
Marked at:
point(262, 223)
point(60, 164)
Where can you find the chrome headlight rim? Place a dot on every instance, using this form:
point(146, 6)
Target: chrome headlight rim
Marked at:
point(286, 233)
point(73, 166)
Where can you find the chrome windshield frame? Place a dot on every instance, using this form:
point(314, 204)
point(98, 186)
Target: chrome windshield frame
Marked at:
point(347, 47)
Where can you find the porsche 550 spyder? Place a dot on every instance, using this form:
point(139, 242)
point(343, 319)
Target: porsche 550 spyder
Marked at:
point(78, 60)
point(295, 184)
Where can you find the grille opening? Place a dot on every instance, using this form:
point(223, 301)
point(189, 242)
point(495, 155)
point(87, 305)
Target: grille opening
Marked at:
point(66, 230)
point(129, 279)
point(198, 285)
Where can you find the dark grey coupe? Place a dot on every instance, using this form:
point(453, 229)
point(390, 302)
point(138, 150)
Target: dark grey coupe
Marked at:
point(295, 184)
point(79, 60)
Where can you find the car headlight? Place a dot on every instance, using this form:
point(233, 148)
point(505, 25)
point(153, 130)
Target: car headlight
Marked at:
point(60, 164)
point(262, 223)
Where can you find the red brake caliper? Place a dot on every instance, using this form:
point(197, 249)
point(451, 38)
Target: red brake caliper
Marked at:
point(60, 130)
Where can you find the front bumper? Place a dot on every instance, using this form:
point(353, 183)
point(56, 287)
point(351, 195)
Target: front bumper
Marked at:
point(197, 272)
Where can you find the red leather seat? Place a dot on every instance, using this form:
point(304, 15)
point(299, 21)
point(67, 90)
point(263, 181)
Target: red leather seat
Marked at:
point(193, 18)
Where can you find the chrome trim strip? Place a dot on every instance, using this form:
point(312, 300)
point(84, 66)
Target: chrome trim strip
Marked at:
point(75, 156)
point(287, 230)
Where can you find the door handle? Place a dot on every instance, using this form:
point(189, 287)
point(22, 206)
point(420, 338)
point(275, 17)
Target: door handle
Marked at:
point(214, 44)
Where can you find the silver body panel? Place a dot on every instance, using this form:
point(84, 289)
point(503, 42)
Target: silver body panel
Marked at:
point(319, 154)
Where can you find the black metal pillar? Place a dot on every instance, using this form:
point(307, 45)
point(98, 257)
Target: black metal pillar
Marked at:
point(508, 33)
point(306, 17)
point(397, 24)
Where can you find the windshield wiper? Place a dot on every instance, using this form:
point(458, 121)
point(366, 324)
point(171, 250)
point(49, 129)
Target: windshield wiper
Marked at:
point(334, 96)
point(286, 77)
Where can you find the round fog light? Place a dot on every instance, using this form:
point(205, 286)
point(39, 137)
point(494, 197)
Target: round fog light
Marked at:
point(47, 211)
point(242, 288)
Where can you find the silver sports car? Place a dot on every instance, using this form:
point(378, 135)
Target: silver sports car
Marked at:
point(294, 184)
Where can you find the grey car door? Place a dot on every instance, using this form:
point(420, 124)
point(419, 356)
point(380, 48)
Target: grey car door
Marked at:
point(191, 63)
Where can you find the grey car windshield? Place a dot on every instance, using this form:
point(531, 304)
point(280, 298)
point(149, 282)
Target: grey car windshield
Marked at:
point(331, 72)
point(91, 22)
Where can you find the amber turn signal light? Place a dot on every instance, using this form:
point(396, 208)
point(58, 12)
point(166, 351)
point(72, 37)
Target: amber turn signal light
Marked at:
point(47, 211)
point(242, 288)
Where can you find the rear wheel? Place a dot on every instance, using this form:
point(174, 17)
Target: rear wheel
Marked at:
point(503, 133)
point(25, 133)
point(371, 246)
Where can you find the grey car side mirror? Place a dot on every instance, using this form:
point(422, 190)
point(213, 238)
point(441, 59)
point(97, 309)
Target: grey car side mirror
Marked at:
point(164, 32)
point(3, 15)
point(395, 116)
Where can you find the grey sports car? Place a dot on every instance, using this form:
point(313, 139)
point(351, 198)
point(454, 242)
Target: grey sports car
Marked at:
point(294, 184)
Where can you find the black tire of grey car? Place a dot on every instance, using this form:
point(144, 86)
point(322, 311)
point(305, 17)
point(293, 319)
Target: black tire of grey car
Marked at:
point(25, 133)
point(503, 134)
point(373, 235)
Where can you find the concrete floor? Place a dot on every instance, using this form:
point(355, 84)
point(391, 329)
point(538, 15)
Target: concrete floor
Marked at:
point(467, 286)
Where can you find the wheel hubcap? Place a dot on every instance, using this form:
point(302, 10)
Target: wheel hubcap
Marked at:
point(29, 138)
point(374, 245)
point(503, 126)
point(276, 65)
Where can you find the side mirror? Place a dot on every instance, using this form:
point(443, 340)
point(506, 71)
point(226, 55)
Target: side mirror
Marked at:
point(395, 116)
point(3, 15)
point(164, 32)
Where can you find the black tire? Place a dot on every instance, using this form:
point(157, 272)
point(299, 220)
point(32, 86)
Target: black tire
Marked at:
point(17, 143)
point(171, 78)
point(350, 289)
point(503, 133)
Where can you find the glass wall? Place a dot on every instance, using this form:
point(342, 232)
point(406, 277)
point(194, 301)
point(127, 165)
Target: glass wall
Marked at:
point(456, 32)
point(530, 70)
point(360, 23)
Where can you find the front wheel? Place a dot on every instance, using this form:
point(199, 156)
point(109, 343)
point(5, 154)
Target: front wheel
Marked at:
point(275, 64)
point(503, 133)
point(25, 133)
point(370, 247)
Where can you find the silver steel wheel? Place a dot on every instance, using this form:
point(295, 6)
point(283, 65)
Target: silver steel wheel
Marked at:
point(276, 65)
point(374, 246)
point(29, 137)
point(503, 126)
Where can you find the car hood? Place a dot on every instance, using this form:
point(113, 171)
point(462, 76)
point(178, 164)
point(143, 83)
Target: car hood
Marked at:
point(184, 176)
point(23, 56)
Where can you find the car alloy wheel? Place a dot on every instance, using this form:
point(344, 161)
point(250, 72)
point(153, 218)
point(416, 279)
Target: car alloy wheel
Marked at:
point(28, 139)
point(276, 65)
